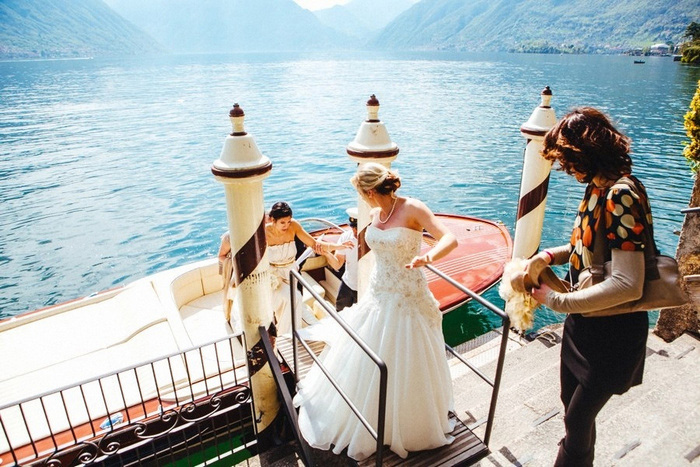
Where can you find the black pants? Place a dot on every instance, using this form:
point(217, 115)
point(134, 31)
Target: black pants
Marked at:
point(346, 297)
point(581, 406)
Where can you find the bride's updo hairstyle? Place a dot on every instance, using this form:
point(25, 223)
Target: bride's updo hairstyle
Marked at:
point(280, 210)
point(373, 176)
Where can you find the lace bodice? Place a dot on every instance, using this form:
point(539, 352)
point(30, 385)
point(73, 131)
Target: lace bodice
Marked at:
point(393, 249)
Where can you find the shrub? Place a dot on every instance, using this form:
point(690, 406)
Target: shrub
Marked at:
point(692, 129)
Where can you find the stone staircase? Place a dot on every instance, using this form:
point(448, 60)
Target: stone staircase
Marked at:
point(655, 424)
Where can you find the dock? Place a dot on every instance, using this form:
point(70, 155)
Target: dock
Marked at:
point(654, 424)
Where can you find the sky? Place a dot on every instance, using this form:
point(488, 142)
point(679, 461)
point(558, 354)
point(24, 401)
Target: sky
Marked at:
point(319, 4)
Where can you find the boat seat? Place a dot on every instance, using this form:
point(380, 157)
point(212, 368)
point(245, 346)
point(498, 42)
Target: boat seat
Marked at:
point(308, 299)
point(331, 284)
point(125, 315)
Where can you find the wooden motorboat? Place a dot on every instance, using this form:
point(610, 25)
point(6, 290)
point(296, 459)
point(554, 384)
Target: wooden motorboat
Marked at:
point(56, 348)
point(477, 262)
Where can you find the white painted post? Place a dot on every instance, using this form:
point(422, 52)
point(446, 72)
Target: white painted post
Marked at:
point(535, 180)
point(242, 168)
point(371, 144)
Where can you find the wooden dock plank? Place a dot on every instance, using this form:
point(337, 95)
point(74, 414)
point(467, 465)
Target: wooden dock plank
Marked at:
point(467, 448)
point(286, 351)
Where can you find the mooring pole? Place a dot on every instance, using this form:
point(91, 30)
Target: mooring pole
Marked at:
point(242, 168)
point(371, 144)
point(535, 180)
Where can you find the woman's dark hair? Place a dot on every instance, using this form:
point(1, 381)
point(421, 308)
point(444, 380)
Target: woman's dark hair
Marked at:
point(279, 210)
point(586, 141)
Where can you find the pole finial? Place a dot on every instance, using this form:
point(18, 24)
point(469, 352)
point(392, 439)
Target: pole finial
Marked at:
point(237, 116)
point(373, 109)
point(546, 97)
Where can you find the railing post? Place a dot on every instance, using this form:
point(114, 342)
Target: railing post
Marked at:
point(535, 180)
point(497, 379)
point(371, 144)
point(242, 168)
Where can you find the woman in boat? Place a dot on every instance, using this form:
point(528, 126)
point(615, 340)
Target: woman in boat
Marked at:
point(280, 232)
point(601, 354)
point(400, 320)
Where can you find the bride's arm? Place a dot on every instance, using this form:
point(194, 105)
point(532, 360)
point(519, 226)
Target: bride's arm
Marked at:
point(446, 241)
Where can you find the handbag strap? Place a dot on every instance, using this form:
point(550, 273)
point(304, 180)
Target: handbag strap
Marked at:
point(651, 270)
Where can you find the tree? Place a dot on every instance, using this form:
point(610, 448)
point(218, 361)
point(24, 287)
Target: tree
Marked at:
point(693, 31)
point(691, 49)
point(673, 322)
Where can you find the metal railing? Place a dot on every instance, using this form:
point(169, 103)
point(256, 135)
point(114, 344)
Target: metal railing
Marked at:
point(285, 395)
point(192, 406)
point(378, 435)
point(505, 322)
point(694, 210)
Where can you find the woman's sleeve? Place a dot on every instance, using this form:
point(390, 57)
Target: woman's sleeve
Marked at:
point(626, 283)
point(561, 253)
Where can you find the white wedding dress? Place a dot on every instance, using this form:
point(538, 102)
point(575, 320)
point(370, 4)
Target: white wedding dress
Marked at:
point(400, 320)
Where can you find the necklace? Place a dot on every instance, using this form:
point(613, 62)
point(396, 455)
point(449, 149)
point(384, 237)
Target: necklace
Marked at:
point(390, 213)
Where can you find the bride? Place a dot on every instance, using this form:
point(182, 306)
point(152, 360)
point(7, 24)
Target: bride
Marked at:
point(400, 320)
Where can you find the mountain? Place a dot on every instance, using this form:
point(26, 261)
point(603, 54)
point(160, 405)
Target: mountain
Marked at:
point(207, 26)
point(67, 28)
point(377, 14)
point(538, 25)
point(341, 19)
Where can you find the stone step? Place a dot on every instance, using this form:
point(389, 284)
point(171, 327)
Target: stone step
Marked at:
point(472, 394)
point(679, 445)
point(524, 408)
point(533, 445)
point(644, 415)
point(619, 424)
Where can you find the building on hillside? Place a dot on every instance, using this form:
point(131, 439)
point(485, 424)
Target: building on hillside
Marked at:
point(660, 49)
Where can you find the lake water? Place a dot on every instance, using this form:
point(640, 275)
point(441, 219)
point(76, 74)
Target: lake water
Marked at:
point(105, 164)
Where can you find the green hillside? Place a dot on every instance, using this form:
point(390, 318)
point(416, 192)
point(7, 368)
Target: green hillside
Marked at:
point(539, 25)
point(67, 28)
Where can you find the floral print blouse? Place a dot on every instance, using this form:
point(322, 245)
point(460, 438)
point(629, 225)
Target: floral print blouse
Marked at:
point(622, 208)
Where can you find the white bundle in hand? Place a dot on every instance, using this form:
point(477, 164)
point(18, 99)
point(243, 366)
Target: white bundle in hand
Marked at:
point(520, 306)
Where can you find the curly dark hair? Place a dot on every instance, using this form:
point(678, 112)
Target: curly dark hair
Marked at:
point(586, 141)
point(279, 210)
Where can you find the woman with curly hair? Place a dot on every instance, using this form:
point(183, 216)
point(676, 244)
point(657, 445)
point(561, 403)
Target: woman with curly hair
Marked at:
point(602, 352)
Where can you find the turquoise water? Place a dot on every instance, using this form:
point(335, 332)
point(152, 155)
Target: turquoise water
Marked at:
point(105, 164)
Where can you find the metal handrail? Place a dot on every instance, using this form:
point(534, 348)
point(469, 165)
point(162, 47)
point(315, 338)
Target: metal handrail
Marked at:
point(694, 210)
point(288, 405)
point(295, 276)
point(505, 320)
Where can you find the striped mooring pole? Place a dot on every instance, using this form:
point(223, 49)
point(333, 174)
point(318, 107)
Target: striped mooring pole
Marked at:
point(535, 180)
point(242, 168)
point(371, 144)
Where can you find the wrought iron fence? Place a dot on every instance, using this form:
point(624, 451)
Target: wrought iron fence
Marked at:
point(192, 407)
